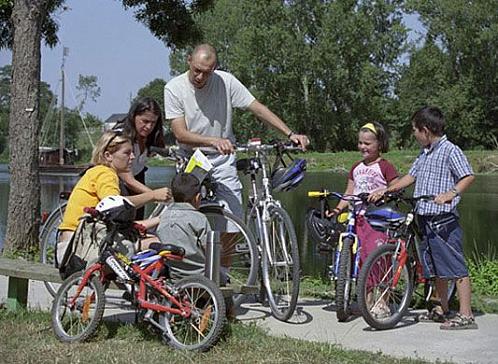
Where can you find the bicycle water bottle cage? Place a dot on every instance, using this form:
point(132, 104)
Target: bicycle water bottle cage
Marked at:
point(383, 218)
point(285, 179)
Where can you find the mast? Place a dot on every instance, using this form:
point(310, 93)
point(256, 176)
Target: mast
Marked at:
point(65, 52)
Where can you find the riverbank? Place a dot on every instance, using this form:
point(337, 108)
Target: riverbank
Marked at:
point(482, 161)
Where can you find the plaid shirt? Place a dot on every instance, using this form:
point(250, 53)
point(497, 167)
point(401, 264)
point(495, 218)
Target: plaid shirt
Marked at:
point(436, 170)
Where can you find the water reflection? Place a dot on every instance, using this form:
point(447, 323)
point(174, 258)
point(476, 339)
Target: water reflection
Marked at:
point(479, 208)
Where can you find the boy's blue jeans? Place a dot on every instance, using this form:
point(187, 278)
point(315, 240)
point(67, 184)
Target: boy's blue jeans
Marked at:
point(442, 246)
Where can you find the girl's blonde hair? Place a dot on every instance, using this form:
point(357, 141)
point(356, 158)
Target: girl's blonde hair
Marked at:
point(380, 133)
point(110, 141)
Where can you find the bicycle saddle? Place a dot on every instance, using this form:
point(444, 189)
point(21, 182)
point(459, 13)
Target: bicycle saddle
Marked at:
point(174, 249)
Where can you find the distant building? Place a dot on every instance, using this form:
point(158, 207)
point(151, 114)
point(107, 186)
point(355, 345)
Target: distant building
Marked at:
point(50, 156)
point(112, 120)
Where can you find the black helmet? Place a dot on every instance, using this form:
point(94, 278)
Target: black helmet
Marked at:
point(285, 179)
point(323, 231)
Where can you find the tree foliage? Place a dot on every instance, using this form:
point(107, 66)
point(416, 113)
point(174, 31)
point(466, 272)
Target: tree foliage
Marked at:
point(324, 66)
point(88, 90)
point(457, 68)
point(49, 26)
point(172, 21)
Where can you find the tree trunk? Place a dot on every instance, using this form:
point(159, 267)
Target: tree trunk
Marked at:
point(24, 199)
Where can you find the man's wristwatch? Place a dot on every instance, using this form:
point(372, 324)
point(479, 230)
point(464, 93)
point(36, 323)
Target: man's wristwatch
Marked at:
point(291, 133)
point(455, 191)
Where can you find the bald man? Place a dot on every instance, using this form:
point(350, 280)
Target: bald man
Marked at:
point(199, 104)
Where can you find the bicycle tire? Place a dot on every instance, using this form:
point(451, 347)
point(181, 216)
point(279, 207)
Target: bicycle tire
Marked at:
point(280, 275)
point(203, 328)
point(65, 320)
point(343, 283)
point(375, 288)
point(245, 258)
point(48, 241)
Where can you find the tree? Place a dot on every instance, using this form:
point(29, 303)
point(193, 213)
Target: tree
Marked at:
point(88, 88)
point(24, 198)
point(23, 24)
point(456, 68)
point(5, 73)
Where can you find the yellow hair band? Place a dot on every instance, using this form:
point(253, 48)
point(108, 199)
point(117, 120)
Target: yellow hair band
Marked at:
point(370, 127)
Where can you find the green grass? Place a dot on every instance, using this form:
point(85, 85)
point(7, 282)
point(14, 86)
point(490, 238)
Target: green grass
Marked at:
point(481, 161)
point(27, 338)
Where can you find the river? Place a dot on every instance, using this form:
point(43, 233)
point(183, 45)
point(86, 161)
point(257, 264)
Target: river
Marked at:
point(478, 209)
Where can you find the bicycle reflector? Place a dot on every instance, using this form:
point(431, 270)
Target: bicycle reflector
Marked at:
point(285, 179)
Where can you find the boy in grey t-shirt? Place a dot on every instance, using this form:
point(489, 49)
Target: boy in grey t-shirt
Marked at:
point(183, 225)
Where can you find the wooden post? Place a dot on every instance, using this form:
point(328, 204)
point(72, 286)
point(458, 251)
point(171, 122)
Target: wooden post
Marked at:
point(17, 294)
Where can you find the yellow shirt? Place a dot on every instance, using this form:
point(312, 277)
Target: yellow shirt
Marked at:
point(98, 182)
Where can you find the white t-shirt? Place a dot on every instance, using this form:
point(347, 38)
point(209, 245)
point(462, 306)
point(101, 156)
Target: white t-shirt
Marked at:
point(207, 111)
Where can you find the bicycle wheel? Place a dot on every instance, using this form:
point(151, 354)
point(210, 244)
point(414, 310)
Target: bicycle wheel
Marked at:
point(77, 322)
point(48, 241)
point(281, 268)
point(382, 301)
point(343, 283)
point(241, 252)
point(203, 327)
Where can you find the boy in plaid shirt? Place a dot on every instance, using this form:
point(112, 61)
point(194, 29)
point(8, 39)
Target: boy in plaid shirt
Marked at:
point(442, 170)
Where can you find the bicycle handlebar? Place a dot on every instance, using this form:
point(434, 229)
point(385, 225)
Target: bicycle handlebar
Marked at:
point(339, 196)
point(167, 152)
point(257, 147)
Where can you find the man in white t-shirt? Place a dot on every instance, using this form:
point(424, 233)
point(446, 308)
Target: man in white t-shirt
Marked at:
point(199, 104)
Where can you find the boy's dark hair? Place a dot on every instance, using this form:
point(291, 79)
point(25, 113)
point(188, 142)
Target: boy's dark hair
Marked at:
point(430, 117)
point(185, 187)
point(381, 136)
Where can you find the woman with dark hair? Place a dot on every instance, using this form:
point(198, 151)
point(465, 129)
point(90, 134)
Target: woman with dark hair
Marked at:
point(144, 126)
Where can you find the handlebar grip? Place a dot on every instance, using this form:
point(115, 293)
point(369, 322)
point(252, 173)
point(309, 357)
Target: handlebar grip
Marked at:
point(163, 152)
point(318, 193)
point(92, 212)
point(140, 228)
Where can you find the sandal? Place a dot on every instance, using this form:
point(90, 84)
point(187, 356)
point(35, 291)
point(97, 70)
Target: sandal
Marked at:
point(433, 315)
point(381, 312)
point(459, 322)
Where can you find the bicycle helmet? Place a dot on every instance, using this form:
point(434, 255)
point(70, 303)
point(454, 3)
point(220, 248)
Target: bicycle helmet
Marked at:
point(285, 179)
point(117, 209)
point(323, 231)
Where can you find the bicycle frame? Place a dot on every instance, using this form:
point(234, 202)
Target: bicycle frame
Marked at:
point(145, 279)
point(260, 197)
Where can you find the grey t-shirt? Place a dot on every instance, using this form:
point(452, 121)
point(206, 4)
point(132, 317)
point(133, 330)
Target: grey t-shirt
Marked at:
point(182, 225)
point(207, 111)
